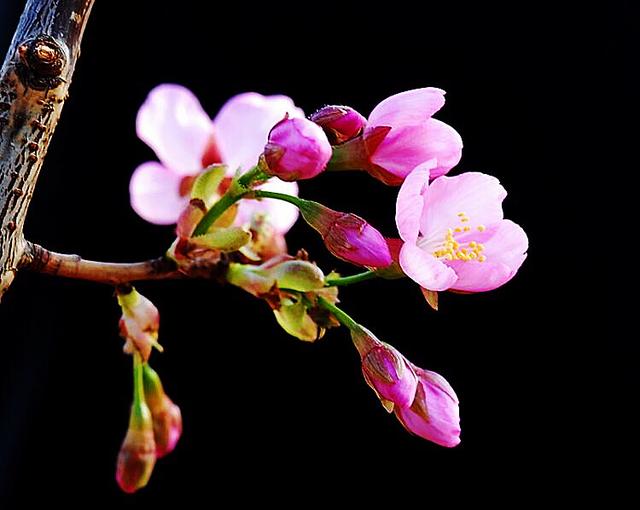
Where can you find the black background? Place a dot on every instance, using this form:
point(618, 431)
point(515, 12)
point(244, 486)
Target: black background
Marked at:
point(267, 416)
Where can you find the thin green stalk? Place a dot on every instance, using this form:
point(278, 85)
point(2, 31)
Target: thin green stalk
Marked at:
point(278, 196)
point(236, 191)
point(342, 316)
point(216, 211)
point(348, 280)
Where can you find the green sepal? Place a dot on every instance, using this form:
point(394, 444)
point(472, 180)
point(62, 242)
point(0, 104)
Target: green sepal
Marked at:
point(206, 186)
point(223, 239)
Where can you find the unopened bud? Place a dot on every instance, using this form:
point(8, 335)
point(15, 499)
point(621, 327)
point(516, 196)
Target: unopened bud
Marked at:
point(347, 236)
point(137, 455)
point(340, 123)
point(166, 416)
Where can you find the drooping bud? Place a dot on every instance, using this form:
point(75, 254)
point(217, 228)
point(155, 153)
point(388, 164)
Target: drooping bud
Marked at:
point(137, 455)
point(139, 323)
point(386, 370)
point(347, 236)
point(340, 123)
point(297, 149)
point(166, 416)
point(435, 414)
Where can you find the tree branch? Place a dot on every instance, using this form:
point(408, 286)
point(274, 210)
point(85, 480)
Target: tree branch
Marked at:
point(40, 260)
point(34, 81)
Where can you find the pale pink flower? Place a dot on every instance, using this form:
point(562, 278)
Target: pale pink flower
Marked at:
point(401, 133)
point(172, 122)
point(454, 232)
point(297, 149)
point(415, 137)
point(435, 414)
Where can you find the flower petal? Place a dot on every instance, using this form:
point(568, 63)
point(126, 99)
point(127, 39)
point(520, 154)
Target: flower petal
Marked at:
point(154, 193)
point(243, 124)
point(444, 143)
point(424, 269)
point(281, 215)
point(441, 422)
point(405, 148)
point(477, 195)
point(172, 122)
point(407, 108)
point(410, 201)
point(504, 252)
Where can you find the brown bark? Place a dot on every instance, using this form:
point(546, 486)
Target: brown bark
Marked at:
point(34, 81)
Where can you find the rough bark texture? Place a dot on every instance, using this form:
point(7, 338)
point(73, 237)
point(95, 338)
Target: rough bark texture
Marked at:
point(34, 81)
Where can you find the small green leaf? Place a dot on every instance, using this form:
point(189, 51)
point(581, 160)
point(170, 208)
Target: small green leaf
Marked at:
point(223, 239)
point(295, 320)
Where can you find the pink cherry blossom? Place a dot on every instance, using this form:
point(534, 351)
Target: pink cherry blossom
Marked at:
point(297, 149)
point(454, 232)
point(434, 414)
point(173, 123)
point(414, 137)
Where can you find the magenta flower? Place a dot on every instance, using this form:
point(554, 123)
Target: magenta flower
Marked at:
point(297, 149)
point(434, 415)
point(454, 232)
point(172, 122)
point(347, 236)
point(340, 123)
point(400, 135)
point(387, 371)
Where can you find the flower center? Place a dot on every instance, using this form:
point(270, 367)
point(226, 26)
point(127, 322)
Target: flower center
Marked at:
point(452, 247)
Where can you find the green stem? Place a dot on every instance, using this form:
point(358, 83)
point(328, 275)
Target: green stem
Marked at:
point(348, 280)
point(278, 196)
point(343, 317)
point(236, 191)
point(138, 381)
point(227, 200)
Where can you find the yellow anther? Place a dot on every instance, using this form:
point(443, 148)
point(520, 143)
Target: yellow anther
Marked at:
point(473, 244)
point(466, 229)
point(464, 219)
point(457, 230)
point(481, 228)
point(473, 255)
point(480, 246)
point(461, 214)
point(456, 245)
point(482, 258)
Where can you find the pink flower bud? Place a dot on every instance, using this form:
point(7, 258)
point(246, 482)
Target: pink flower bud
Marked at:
point(340, 123)
point(434, 414)
point(386, 370)
point(166, 416)
point(139, 323)
point(347, 236)
point(297, 149)
point(137, 455)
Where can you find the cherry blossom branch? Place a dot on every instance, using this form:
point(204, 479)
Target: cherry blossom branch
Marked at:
point(34, 84)
point(38, 259)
